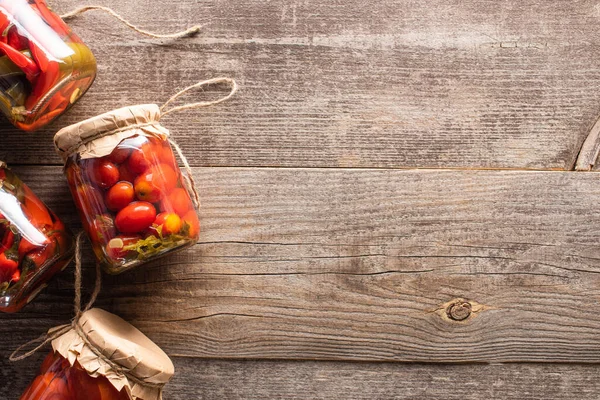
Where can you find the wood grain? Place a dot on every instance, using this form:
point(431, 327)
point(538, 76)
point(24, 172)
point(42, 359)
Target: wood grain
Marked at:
point(247, 380)
point(341, 264)
point(449, 84)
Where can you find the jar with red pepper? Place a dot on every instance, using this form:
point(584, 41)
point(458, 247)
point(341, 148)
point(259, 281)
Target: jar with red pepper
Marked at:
point(34, 243)
point(44, 66)
point(101, 357)
point(127, 186)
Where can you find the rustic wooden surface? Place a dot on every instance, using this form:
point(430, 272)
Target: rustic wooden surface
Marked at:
point(345, 252)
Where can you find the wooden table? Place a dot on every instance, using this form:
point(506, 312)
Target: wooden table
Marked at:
point(388, 205)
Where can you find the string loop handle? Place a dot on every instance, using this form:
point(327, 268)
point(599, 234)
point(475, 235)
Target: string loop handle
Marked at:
point(188, 32)
point(214, 81)
point(190, 182)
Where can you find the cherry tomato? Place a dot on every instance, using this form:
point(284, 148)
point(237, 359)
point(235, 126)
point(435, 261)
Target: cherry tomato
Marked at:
point(177, 201)
point(143, 158)
point(155, 182)
point(147, 190)
point(170, 223)
point(136, 217)
point(104, 173)
point(125, 174)
point(191, 219)
point(119, 154)
point(102, 229)
point(114, 248)
point(119, 196)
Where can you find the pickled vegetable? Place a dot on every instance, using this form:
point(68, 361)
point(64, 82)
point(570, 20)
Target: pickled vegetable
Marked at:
point(44, 66)
point(58, 380)
point(34, 243)
point(133, 203)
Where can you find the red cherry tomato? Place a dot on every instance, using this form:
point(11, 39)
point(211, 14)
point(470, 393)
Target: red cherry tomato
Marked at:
point(155, 182)
point(104, 173)
point(119, 154)
point(169, 223)
point(177, 201)
point(119, 196)
point(191, 219)
point(125, 174)
point(143, 158)
point(102, 229)
point(136, 217)
point(147, 190)
point(115, 248)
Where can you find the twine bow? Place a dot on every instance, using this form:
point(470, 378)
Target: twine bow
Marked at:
point(62, 329)
point(188, 32)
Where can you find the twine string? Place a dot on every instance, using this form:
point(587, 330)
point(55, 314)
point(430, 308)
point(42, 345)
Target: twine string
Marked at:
point(190, 182)
point(58, 331)
point(62, 329)
point(188, 32)
point(214, 81)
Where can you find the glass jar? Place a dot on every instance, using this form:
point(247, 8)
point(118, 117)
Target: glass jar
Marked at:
point(101, 357)
point(58, 380)
point(34, 243)
point(127, 186)
point(44, 66)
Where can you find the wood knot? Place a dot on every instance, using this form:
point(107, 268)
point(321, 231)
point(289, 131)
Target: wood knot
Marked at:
point(459, 310)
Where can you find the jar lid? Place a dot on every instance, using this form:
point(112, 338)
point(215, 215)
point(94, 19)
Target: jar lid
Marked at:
point(98, 136)
point(105, 344)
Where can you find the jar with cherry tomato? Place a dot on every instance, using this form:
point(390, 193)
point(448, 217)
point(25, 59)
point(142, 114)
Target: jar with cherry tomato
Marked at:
point(34, 243)
point(125, 181)
point(101, 357)
point(44, 67)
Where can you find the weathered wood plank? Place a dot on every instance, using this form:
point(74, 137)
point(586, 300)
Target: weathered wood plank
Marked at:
point(482, 83)
point(360, 265)
point(246, 380)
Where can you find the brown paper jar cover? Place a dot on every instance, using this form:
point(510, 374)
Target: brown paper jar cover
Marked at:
point(105, 345)
point(126, 183)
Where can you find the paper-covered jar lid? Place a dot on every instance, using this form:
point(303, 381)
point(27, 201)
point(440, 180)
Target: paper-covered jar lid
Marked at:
point(106, 345)
point(98, 136)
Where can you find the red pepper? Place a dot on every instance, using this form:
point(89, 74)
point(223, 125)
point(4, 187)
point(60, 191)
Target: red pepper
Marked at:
point(27, 65)
point(4, 24)
point(15, 40)
point(8, 263)
point(57, 24)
